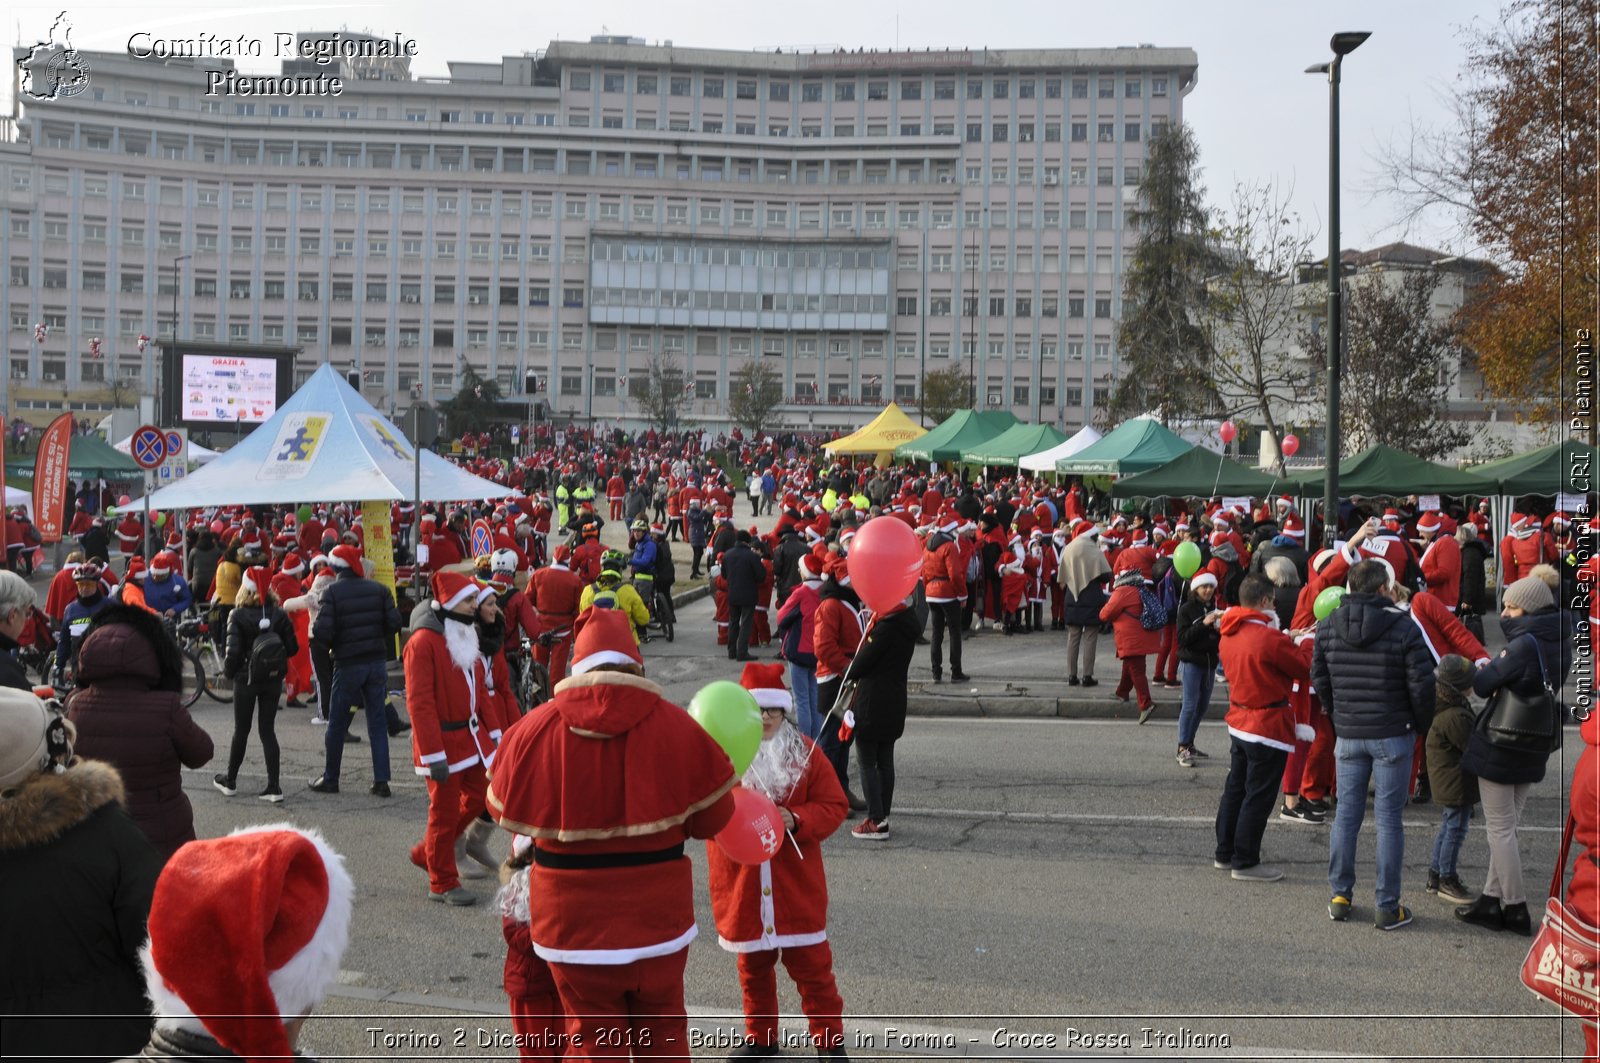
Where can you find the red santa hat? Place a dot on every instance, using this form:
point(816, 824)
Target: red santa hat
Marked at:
point(346, 556)
point(1181, 526)
point(1139, 536)
point(163, 564)
point(1429, 521)
point(319, 561)
point(1285, 502)
point(603, 636)
point(293, 565)
point(174, 541)
point(1519, 521)
point(452, 589)
point(1203, 579)
point(1557, 517)
point(765, 683)
point(1391, 516)
point(136, 568)
point(1219, 537)
point(949, 520)
point(561, 555)
point(260, 579)
point(245, 931)
point(1294, 527)
point(814, 564)
point(838, 569)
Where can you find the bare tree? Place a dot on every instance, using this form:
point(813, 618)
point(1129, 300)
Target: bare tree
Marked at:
point(757, 389)
point(661, 394)
point(944, 391)
point(1252, 314)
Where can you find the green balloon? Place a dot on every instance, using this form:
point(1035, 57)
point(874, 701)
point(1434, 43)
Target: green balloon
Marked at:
point(1186, 559)
point(303, 514)
point(730, 715)
point(1329, 600)
point(161, 520)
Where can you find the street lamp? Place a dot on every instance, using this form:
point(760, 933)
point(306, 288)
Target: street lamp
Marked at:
point(175, 261)
point(1342, 44)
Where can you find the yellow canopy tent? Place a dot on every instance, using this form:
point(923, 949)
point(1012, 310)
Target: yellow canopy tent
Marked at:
point(880, 436)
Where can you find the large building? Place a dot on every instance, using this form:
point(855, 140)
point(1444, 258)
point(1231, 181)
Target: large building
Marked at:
point(852, 219)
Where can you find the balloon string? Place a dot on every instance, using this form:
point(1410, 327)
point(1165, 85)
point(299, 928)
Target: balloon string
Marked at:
point(1218, 482)
point(812, 748)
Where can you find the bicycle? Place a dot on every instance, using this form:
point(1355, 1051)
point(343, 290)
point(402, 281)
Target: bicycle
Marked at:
point(530, 680)
point(184, 645)
point(662, 615)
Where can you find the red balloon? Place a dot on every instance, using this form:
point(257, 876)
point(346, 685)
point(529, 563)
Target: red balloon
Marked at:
point(755, 833)
point(1227, 431)
point(1290, 445)
point(885, 562)
point(217, 527)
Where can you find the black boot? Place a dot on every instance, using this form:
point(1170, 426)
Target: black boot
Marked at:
point(1485, 912)
point(1038, 616)
point(1515, 919)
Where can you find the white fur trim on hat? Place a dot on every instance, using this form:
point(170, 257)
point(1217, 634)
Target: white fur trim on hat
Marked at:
point(601, 657)
point(773, 698)
point(1203, 579)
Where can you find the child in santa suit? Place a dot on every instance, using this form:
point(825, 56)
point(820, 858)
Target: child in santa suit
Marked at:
point(536, 1013)
point(719, 597)
point(761, 629)
point(1013, 584)
point(1058, 594)
point(460, 702)
point(1034, 568)
point(778, 910)
point(286, 584)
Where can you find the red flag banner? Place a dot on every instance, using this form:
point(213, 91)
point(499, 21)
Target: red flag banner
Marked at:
point(3, 427)
point(50, 478)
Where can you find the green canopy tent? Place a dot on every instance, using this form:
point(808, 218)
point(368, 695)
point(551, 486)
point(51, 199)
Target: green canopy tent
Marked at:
point(962, 429)
point(1014, 444)
point(1567, 467)
point(1381, 470)
point(1137, 445)
point(1197, 473)
point(88, 458)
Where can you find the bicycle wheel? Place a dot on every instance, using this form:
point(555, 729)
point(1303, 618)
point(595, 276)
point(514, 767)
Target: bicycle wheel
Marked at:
point(536, 679)
point(193, 694)
point(664, 614)
point(218, 687)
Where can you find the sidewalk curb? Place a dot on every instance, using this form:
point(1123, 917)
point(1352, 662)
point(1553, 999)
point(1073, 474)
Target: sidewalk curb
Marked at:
point(1002, 705)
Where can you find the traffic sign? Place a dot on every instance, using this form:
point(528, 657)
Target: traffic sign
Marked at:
point(149, 446)
point(482, 538)
point(174, 444)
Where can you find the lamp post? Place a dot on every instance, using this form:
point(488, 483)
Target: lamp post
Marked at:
point(1342, 44)
point(175, 261)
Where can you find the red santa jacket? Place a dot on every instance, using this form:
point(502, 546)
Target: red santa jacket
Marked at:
point(1262, 665)
point(615, 488)
point(610, 767)
point(444, 550)
point(1518, 557)
point(1441, 569)
point(586, 561)
point(456, 717)
point(1123, 611)
point(1442, 631)
point(781, 903)
point(836, 636)
point(944, 570)
point(556, 591)
point(130, 529)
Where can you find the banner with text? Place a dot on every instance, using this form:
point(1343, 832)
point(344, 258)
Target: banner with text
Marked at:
point(50, 478)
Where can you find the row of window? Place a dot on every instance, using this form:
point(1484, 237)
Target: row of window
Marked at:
point(845, 87)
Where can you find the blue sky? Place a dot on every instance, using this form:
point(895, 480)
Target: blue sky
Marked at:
point(1257, 116)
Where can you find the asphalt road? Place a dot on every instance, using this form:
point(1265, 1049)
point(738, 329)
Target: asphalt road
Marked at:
point(1048, 890)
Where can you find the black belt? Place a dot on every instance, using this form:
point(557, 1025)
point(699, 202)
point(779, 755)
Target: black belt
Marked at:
point(455, 725)
point(592, 861)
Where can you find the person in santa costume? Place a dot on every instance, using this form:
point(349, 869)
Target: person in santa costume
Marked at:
point(609, 779)
point(461, 703)
point(779, 909)
point(274, 902)
point(536, 1013)
point(556, 591)
point(1441, 559)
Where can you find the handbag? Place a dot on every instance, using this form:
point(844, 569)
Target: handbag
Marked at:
point(1523, 723)
point(1563, 963)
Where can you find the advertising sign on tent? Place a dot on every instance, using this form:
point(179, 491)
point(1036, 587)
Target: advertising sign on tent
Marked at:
point(295, 448)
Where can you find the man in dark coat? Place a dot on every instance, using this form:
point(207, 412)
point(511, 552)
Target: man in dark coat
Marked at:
point(95, 542)
point(357, 621)
point(1373, 673)
point(743, 571)
point(786, 563)
point(880, 669)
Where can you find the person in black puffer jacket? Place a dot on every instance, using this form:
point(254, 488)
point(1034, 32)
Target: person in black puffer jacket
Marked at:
point(1474, 554)
point(255, 612)
point(880, 669)
point(357, 621)
point(1199, 640)
point(1538, 650)
point(1374, 676)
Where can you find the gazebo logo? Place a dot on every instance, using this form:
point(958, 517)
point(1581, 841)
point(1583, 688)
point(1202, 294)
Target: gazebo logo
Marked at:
point(295, 448)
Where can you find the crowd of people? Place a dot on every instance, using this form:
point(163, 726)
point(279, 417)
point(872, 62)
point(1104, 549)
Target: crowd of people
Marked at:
point(597, 895)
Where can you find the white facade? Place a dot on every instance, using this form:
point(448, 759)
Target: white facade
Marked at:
point(409, 227)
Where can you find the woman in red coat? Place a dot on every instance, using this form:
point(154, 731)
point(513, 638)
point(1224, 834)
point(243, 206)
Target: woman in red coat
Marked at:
point(1134, 641)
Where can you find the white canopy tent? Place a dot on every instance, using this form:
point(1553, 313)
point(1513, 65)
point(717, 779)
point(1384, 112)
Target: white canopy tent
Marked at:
point(326, 444)
point(1045, 460)
point(192, 451)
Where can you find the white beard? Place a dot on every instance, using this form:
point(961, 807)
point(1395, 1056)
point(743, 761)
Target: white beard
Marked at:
point(462, 640)
point(778, 764)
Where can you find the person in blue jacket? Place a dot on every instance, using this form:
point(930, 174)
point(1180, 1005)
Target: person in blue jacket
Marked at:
point(166, 592)
point(643, 561)
point(75, 621)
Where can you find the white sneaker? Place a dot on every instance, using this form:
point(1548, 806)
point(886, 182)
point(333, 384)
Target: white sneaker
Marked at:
point(1258, 873)
point(319, 721)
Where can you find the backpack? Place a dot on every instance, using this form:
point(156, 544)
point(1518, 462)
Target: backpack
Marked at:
point(605, 599)
point(269, 657)
point(1152, 614)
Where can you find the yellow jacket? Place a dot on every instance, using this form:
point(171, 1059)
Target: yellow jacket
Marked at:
point(226, 583)
point(627, 600)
